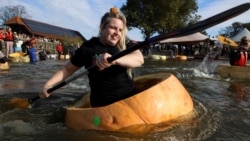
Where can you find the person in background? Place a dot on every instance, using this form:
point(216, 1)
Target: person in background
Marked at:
point(239, 55)
point(42, 53)
point(32, 52)
point(15, 40)
point(59, 49)
point(109, 81)
point(1, 41)
point(8, 38)
point(25, 47)
point(3, 58)
point(78, 45)
point(71, 50)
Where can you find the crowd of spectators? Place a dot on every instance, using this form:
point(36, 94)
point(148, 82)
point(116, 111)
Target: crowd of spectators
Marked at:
point(21, 41)
point(18, 38)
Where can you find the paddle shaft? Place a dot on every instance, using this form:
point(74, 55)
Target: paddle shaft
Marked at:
point(200, 26)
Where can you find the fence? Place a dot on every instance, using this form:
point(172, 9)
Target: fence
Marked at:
point(50, 47)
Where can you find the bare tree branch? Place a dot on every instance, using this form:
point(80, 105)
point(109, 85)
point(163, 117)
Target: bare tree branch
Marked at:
point(8, 12)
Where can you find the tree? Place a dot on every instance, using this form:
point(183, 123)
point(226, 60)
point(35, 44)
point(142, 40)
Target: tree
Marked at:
point(179, 14)
point(235, 28)
point(246, 25)
point(140, 14)
point(9, 12)
point(159, 16)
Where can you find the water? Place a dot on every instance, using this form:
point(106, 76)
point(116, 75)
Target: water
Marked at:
point(221, 105)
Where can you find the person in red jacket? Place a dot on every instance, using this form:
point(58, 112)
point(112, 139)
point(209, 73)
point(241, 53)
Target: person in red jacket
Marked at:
point(59, 49)
point(239, 56)
point(1, 40)
point(8, 38)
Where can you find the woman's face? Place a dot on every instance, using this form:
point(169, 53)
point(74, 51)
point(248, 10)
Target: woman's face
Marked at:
point(112, 32)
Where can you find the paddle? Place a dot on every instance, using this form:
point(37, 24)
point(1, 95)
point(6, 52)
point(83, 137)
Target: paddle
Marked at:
point(200, 26)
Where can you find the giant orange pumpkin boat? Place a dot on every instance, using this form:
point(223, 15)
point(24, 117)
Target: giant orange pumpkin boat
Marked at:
point(234, 72)
point(19, 57)
point(4, 66)
point(160, 98)
point(181, 57)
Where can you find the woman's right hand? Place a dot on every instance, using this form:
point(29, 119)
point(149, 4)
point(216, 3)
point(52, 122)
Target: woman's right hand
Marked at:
point(44, 93)
point(102, 62)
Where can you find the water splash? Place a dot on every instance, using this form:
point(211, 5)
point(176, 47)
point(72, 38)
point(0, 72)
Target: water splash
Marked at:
point(207, 67)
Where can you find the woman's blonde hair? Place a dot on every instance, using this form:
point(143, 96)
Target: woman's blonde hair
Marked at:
point(114, 13)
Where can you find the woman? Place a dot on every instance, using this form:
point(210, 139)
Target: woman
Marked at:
point(111, 81)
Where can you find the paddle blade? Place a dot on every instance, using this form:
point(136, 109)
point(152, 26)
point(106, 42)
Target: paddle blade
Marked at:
point(19, 103)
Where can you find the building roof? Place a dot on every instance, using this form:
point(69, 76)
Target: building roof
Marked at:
point(14, 20)
point(188, 38)
point(31, 27)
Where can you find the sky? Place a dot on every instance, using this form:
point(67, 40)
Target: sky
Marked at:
point(84, 15)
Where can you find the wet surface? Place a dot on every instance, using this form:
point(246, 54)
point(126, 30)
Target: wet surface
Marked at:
point(221, 106)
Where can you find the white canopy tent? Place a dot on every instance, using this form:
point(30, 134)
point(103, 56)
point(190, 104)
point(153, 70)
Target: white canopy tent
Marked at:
point(242, 33)
point(189, 38)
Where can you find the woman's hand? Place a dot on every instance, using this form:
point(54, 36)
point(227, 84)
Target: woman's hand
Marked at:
point(102, 61)
point(44, 93)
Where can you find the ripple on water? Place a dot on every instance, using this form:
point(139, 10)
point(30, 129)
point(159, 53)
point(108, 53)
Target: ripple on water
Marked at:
point(47, 122)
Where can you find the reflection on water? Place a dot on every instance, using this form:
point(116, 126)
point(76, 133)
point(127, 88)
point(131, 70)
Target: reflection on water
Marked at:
point(221, 106)
point(240, 93)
